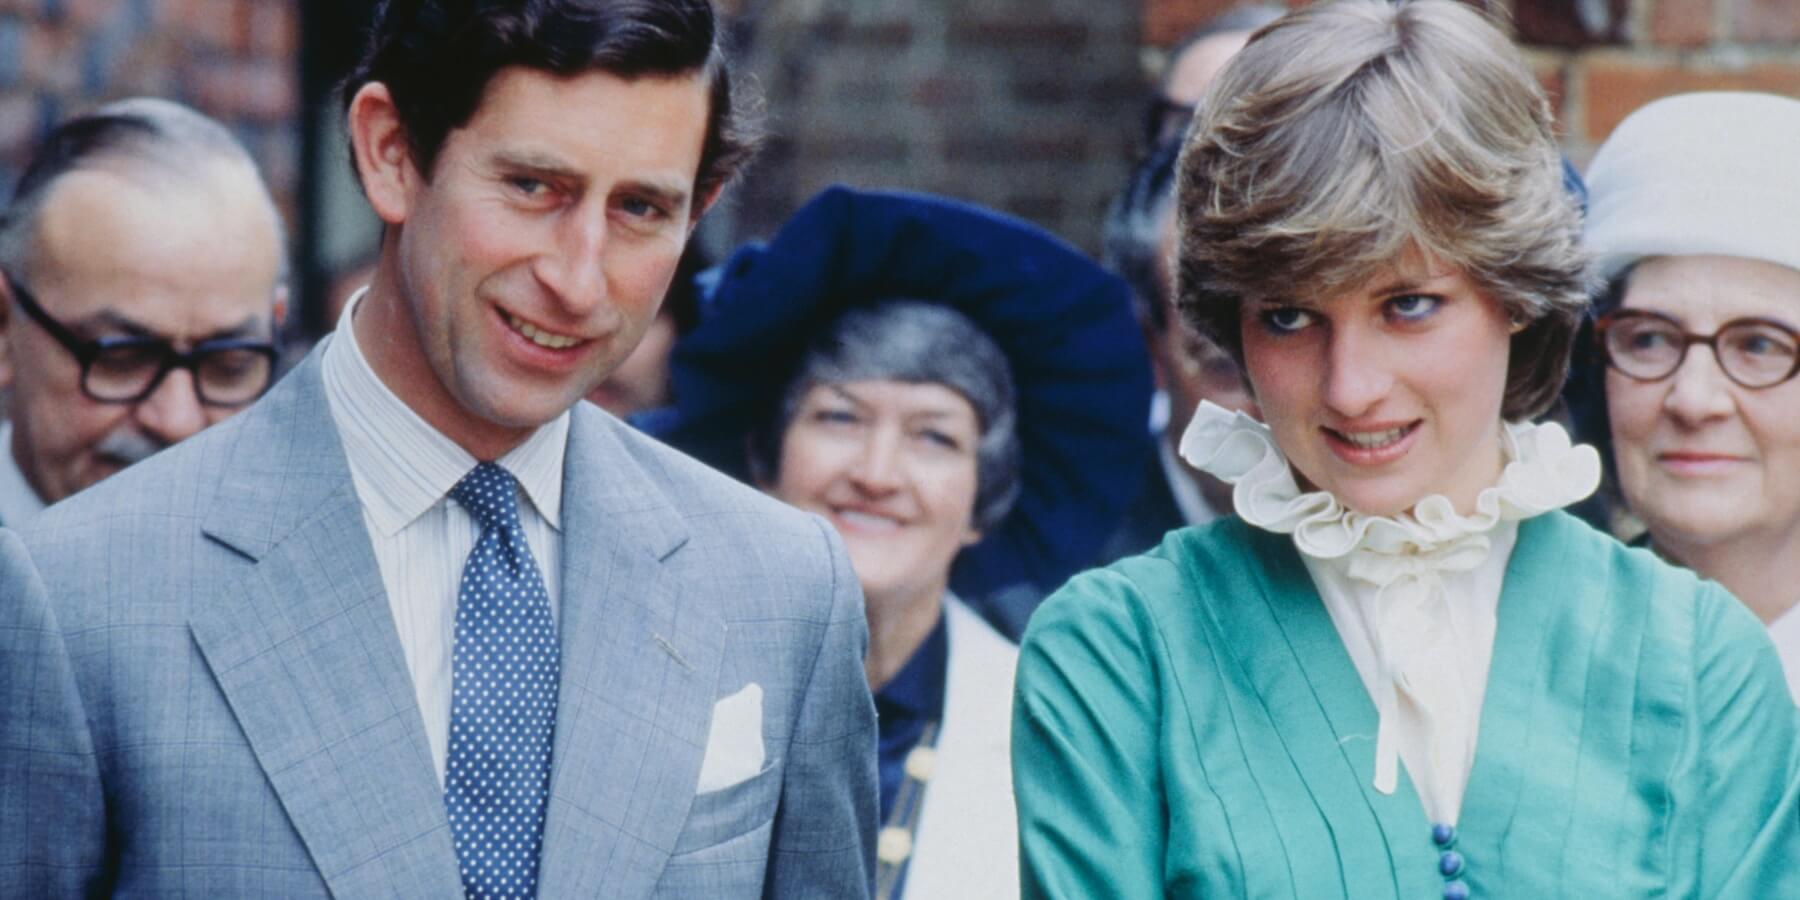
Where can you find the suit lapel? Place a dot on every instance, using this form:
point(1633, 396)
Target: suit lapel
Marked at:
point(304, 648)
point(640, 674)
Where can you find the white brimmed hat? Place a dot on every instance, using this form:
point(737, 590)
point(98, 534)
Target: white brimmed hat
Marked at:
point(1702, 173)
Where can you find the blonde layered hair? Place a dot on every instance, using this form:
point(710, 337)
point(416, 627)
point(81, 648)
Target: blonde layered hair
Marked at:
point(1350, 134)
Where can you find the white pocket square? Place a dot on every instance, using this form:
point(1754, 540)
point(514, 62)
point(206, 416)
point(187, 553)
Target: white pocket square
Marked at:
point(734, 745)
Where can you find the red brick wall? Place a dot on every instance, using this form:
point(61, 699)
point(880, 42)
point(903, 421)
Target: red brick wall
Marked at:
point(1601, 59)
point(1029, 106)
point(233, 59)
point(1667, 47)
point(1026, 105)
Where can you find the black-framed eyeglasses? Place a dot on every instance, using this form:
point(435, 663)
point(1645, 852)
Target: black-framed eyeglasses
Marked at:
point(1649, 346)
point(228, 372)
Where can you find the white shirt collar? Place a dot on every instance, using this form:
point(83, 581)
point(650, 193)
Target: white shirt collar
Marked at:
point(18, 502)
point(402, 466)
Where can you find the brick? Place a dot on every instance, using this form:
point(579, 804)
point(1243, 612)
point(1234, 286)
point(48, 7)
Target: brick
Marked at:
point(86, 15)
point(1616, 85)
point(253, 91)
point(986, 101)
point(875, 92)
point(18, 124)
point(12, 52)
point(102, 55)
point(1766, 21)
point(940, 91)
point(1168, 21)
point(213, 24)
point(838, 30)
point(1552, 76)
point(1017, 33)
point(1682, 23)
point(52, 58)
point(859, 147)
point(972, 147)
point(277, 153)
point(149, 67)
point(274, 28)
point(1044, 209)
point(1045, 91)
point(1559, 23)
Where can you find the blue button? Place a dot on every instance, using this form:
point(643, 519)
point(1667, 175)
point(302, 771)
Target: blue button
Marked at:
point(1450, 864)
point(1456, 890)
point(1443, 835)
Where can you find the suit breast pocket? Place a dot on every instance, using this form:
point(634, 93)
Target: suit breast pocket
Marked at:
point(719, 816)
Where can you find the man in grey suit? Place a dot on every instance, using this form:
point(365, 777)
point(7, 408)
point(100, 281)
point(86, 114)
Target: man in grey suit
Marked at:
point(420, 623)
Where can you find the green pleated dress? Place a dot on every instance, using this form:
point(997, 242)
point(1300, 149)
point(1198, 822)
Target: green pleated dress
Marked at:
point(1188, 724)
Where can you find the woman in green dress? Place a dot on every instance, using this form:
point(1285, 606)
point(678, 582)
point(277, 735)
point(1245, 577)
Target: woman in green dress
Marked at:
point(1401, 670)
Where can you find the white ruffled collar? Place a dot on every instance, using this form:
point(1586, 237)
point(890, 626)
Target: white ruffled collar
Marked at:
point(1405, 559)
point(1544, 471)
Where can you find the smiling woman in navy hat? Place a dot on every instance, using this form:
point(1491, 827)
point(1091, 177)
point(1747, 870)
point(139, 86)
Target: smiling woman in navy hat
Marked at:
point(962, 397)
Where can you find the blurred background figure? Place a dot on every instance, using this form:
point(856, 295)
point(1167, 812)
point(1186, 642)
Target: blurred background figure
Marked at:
point(961, 396)
point(1140, 247)
point(1194, 62)
point(141, 283)
point(641, 382)
point(1138, 243)
point(1695, 218)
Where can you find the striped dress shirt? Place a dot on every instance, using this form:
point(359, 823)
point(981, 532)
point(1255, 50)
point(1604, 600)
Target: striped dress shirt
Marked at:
point(403, 470)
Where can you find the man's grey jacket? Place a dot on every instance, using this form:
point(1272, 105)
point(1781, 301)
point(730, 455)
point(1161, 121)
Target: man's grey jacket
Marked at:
point(202, 691)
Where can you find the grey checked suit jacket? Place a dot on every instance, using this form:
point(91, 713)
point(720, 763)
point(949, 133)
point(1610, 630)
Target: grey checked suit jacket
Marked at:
point(202, 691)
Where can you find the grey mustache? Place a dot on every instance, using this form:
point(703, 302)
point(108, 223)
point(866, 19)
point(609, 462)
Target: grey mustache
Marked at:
point(128, 446)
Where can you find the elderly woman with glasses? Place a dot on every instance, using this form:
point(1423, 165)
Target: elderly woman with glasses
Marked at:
point(1695, 221)
point(1402, 670)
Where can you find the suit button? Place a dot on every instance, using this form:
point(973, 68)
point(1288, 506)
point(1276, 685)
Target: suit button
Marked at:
point(1456, 890)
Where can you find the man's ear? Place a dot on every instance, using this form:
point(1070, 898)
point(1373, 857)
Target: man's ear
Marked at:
point(383, 154)
point(280, 309)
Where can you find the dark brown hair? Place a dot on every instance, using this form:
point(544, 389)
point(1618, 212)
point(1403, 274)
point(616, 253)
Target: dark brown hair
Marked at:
point(436, 58)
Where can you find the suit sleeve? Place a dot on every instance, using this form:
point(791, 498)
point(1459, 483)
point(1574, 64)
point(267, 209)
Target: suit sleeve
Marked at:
point(52, 840)
point(824, 841)
point(1747, 748)
point(1086, 776)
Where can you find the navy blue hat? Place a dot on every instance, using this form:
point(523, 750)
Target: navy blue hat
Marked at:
point(1066, 326)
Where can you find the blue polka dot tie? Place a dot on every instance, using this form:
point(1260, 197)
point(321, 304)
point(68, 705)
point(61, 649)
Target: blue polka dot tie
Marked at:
point(502, 697)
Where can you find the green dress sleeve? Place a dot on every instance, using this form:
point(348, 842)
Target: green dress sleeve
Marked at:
point(1092, 819)
point(1746, 755)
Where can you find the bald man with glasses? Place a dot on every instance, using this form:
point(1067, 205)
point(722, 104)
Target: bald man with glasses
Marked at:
point(141, 283)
